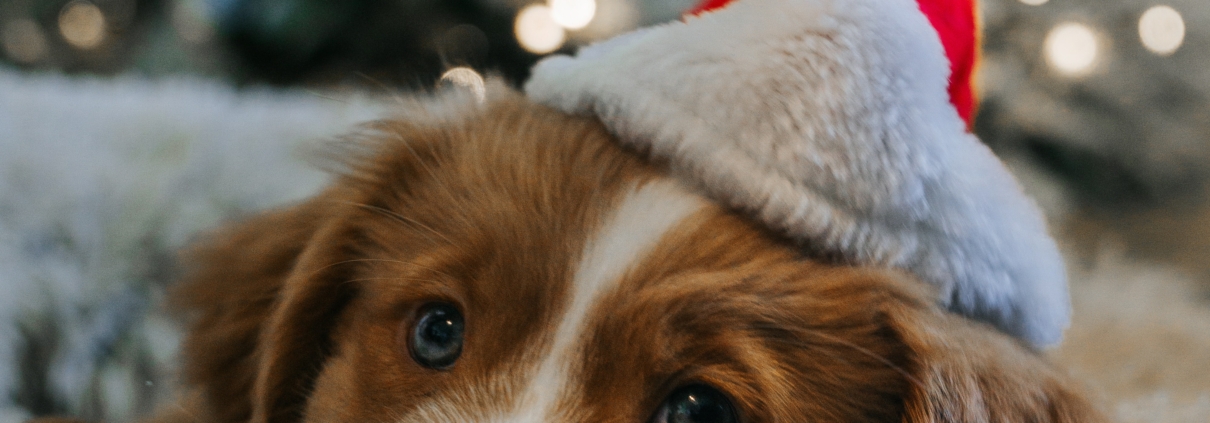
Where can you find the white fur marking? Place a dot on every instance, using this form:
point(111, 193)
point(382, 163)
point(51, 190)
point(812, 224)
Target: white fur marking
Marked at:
point(633, 229)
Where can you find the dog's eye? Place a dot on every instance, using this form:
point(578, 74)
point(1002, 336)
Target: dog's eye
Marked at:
point(696, 404)
point(436, 340)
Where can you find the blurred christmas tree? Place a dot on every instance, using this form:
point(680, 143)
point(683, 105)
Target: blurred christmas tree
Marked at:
point(1110, 94)
point(411, 43)
point(398, 42)
point(407, 43)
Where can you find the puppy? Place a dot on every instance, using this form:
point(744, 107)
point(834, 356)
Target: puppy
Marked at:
point(504, 262)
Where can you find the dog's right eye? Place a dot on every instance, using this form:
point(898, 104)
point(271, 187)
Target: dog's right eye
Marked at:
point(436, 339)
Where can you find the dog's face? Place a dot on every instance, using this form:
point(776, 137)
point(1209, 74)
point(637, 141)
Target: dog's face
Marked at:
point(516, 265)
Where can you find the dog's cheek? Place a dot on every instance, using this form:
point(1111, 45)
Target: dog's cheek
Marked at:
point(361, 379)
point(334, 397)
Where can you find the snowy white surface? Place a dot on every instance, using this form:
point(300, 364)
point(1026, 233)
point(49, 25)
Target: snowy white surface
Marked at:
point(100, 180)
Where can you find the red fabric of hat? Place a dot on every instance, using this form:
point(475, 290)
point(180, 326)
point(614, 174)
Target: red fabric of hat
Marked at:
point(957, 23)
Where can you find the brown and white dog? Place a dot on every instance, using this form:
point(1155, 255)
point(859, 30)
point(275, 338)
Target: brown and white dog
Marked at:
point(506, 262)
point(770, 212)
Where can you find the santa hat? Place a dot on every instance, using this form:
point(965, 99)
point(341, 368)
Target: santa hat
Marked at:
point(831, 122)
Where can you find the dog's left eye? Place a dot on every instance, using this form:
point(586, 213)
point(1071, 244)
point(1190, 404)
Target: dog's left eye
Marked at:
point(436, 340)
point(696, 404)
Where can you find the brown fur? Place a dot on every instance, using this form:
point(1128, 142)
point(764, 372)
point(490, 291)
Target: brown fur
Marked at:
point(299, 314)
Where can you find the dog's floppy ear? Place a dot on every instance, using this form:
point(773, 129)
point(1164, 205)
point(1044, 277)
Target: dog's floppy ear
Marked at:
point(237, 284)
point(968, 372)
point(261, 297)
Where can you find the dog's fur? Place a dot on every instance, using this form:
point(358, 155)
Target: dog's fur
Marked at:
point(592, 285)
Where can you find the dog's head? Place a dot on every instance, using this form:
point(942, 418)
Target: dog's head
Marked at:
point(513, 264)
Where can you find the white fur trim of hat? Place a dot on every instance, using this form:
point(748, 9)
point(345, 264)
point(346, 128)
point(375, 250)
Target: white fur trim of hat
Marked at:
point(829, 121)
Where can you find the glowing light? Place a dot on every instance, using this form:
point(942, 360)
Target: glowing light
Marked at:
point(467, 78)
point(537, 30)
point(82, 24)
point(1162, 30)
point(612, 17)
point(572, 14)
point(1034, 2)
point(1072, 48)
point(23, 41)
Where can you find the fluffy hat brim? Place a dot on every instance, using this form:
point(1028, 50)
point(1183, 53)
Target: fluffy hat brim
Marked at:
point(829, 121)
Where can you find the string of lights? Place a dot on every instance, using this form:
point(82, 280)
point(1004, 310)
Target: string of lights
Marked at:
point(1073, 48)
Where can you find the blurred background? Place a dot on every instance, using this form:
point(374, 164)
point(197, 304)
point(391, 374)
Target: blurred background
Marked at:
point(1100, 106)
point(1108, 94)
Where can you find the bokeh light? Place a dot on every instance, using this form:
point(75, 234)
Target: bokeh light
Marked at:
point(1162, 30)
point(467, 78)
point(537, 30)
point(82, 24)
point(573, 14)
point(610, 19)
point(1072, 48)
point(23, 41)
